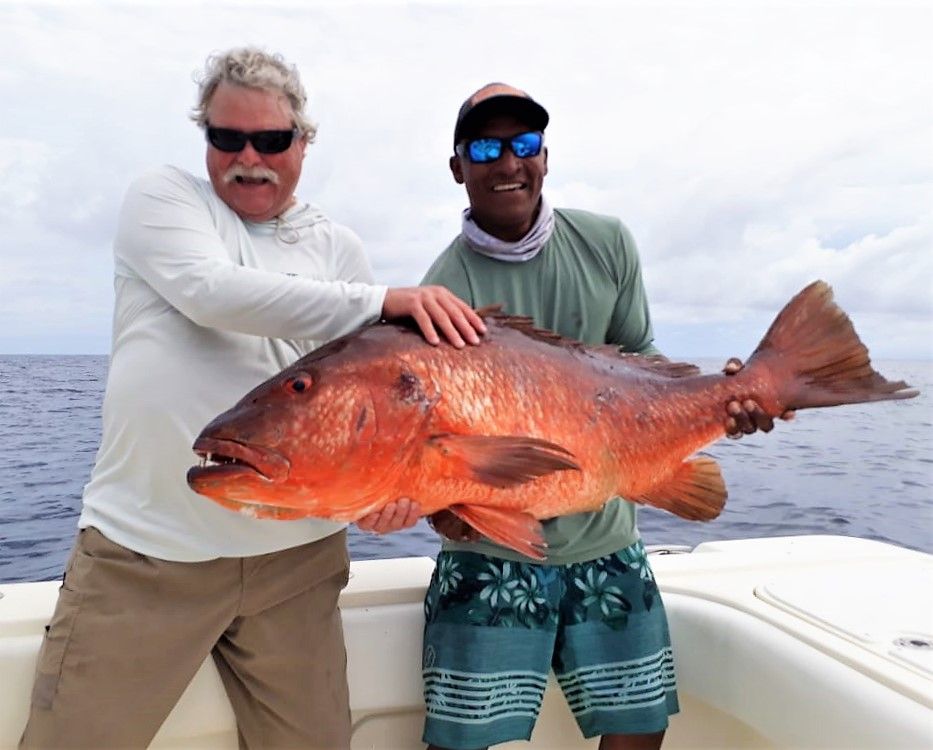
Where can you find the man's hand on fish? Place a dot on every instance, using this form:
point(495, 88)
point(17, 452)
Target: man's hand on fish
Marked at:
point(449, 526)
point(402, 514)
point(747, 416)
point(433, 308)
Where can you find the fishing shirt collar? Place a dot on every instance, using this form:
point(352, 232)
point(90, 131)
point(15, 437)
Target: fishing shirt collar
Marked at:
point(512, 252)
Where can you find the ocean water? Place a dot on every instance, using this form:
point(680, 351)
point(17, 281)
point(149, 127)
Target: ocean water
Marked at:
point(864, 470)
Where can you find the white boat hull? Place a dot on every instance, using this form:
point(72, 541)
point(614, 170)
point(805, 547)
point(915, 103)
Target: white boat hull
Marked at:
point(798, 642)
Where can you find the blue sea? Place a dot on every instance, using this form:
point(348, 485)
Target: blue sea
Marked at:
point(864, 470)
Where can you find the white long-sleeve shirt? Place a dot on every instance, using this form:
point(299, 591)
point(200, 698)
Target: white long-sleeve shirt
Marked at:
point(207, 307)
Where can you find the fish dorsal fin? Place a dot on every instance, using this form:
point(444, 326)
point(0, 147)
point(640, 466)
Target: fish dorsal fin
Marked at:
point(511, 528)
point(500, 460)
point(654, 363)
point(696, 491)
point(524, 324)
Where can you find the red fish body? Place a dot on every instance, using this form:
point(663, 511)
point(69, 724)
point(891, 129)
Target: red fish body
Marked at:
point(524, 426)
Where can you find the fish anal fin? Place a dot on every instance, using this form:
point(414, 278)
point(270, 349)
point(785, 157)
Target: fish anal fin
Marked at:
point(511, 528)
point(696, 491)
point(501, 461)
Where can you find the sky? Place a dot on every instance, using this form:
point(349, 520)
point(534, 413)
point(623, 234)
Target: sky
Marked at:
point(751, 147)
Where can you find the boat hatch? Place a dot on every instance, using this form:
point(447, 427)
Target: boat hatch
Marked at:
point(886, 610)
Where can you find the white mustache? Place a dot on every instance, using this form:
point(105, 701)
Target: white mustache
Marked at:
point(250, 173)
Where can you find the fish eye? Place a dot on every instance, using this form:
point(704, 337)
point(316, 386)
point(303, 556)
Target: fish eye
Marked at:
point(298, 384)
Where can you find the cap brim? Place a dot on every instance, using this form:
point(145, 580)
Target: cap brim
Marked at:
point(522, 108)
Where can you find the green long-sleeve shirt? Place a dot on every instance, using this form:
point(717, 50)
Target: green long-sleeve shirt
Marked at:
point(584, 284)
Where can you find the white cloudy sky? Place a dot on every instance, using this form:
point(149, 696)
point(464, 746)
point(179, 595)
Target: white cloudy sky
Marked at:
point(751, 146)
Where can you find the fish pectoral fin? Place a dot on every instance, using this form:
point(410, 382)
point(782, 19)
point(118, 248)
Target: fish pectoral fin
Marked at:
point(501, 460)
point(511, 528)
point(696, 492)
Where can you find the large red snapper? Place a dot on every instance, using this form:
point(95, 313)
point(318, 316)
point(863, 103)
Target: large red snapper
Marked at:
point(524, 426)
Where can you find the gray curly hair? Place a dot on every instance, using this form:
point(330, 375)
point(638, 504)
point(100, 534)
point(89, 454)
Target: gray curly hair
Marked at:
point(255, 69)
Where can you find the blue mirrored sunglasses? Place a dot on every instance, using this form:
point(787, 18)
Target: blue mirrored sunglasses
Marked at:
point(485, 150)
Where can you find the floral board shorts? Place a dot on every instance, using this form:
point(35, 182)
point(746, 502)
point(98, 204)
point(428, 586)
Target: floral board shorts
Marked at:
point(495, 628)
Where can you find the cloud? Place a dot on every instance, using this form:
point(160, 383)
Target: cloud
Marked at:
point(23, 164)
point(750, 148)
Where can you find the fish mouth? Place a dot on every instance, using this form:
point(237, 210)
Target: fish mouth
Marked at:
point(225, 460)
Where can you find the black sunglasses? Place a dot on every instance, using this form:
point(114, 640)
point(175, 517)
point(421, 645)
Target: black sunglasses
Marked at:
point(485, 150)
point(264, 141)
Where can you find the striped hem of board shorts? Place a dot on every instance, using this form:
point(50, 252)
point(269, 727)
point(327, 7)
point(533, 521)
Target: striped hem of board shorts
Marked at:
point(619, 685)
point(482, 697)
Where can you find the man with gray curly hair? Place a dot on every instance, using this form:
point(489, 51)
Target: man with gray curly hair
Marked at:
point(219, 284)
point(254, 69)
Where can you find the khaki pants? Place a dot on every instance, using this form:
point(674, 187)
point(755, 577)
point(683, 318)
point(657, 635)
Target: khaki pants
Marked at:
point(130, 631)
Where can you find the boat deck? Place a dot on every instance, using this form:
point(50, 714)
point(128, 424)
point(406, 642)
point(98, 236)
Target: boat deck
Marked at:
point(794, 642)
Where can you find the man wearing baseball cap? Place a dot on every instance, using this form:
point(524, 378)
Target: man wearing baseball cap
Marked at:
point(496, 621)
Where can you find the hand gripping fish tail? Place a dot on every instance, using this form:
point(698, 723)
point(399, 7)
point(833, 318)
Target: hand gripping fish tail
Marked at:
point(525, 426)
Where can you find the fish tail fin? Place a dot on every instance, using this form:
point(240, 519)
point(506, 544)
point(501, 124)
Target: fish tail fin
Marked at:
point(816, 358)
point(510, 528)
point(696, 491)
